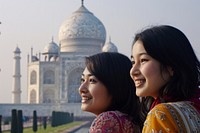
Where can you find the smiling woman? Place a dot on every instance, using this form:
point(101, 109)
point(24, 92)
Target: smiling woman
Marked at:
point(108, 91)
point(166, 72)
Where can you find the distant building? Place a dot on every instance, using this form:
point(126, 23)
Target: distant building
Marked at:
point(17, 77)
point(54, 75)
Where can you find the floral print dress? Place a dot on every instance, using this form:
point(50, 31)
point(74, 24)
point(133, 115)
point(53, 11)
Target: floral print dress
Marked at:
point(112, 122)
point(175, 117)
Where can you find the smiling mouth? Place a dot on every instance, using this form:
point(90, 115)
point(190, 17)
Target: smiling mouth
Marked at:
point(85, 99)
point(139, 83)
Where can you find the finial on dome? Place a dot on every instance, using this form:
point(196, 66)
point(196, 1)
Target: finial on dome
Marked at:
point(82, 2)
point(52, 39)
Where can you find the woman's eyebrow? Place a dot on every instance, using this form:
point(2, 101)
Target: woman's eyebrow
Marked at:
point(87, 75)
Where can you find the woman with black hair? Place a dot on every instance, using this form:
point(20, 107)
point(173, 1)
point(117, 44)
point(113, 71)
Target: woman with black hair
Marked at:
point(108, 91)
point(166, 73)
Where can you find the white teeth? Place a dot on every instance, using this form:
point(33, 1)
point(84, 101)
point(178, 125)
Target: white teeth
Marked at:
point(85, 99)
point(138, 82)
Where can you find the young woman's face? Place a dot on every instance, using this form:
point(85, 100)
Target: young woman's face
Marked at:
point(95, 97)
point(146, 72)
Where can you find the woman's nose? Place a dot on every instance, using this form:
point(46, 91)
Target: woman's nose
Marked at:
point(83, 88)
point(134, 71)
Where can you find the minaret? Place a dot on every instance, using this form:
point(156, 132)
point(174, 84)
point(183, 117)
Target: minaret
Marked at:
point(17, 75)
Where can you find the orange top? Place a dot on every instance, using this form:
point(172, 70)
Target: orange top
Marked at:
point(176, 117)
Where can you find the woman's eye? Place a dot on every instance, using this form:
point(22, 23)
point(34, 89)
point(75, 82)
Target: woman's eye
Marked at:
point(93, 81)
point(82, 80)
point(143, 60)
point(133, 62)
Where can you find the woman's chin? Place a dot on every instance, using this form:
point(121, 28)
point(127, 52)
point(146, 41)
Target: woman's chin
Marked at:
point(83, 107)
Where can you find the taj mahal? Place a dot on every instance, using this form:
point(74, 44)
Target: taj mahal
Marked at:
point(53, 76)
point(57, 76)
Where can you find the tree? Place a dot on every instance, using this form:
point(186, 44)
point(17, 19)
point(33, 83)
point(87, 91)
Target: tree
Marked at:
point(0, 123)
point(20, 121)
point(35, 121)
point(14, 121)
point(53, 119)
point(45, 122)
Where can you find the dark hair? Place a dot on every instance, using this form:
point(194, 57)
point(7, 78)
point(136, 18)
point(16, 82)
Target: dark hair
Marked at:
point(113, 70)
point(169, 46)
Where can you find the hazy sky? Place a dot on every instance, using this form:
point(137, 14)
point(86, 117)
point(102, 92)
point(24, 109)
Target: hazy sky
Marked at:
point(32, 23)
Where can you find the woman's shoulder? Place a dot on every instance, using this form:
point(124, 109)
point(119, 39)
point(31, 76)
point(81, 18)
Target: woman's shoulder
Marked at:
point(115, 117)
point(113, 113)
point(113, 121)
point(175, 116)
point(176, 107)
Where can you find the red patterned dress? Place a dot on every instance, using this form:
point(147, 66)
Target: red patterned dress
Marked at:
point(112, 122)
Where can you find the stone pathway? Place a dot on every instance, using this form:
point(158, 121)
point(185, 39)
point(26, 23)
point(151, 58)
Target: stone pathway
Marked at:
point(83, 128)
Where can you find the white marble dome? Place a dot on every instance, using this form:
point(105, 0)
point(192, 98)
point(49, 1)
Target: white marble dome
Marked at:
point(82, 32)
point(109, 47)
point(51, 48)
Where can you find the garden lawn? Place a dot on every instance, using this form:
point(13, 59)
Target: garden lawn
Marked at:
point(50, 129)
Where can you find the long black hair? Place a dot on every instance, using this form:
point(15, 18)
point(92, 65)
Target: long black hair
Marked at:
point(169, 46)
point(113, 70)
